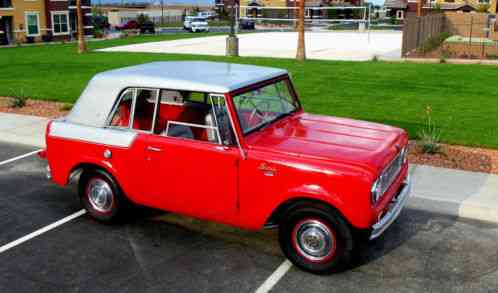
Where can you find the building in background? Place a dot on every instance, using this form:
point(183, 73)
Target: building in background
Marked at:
point(157, 15)
point(41, 20)
point(22, 21)
point(399, 9)
point(62, 18)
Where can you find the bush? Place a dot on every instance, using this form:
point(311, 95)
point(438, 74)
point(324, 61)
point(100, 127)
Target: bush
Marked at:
point(19, 99)
point(430, 135)
point(434, 42)
point(66, 107)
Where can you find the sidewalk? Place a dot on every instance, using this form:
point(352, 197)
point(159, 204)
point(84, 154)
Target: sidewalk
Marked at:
point(464, 194)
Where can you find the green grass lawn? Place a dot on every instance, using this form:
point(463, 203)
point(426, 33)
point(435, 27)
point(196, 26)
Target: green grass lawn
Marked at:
point(464, 98)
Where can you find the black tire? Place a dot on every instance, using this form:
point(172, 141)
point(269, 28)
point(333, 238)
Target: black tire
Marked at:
point(113, 210)
point(305, 220)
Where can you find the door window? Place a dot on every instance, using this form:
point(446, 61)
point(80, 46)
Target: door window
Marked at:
point(136, 109)
point(122, 113)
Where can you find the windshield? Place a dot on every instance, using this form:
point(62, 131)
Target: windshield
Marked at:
point(259, 107)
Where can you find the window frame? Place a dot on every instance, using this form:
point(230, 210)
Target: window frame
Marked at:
point(285, 78)
point(27, 14)
point(132, 110)
point(208, 97)
point(68, 25)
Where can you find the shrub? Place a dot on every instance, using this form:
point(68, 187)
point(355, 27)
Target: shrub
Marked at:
point(66, 107)
point(434, 42)
point(19, 99)
point(430, 135)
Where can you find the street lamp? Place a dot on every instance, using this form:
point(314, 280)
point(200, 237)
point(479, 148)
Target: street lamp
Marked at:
point(232, 49)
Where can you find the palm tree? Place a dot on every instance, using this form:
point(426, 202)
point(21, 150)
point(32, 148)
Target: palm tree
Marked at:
point(301, 51)
point(81, 33)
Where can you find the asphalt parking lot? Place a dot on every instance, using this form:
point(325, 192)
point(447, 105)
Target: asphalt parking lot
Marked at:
point(157, 252)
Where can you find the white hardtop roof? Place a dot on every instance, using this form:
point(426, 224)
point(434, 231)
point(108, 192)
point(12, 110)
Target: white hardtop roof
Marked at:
point(97, 100)
point(202, 76)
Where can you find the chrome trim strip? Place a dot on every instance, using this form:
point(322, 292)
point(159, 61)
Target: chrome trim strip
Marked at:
point(386, 221)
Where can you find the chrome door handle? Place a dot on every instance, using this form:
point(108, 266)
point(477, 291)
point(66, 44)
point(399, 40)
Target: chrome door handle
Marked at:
point(153, 149)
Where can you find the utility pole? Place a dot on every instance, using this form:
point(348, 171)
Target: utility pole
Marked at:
point(232, 45)
point(162, 13)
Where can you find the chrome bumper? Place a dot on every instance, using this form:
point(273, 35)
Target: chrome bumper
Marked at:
point(386, 221)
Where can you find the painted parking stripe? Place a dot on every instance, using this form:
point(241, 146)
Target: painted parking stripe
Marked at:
point(20, 157)
point(41, 231)
point(275, 277)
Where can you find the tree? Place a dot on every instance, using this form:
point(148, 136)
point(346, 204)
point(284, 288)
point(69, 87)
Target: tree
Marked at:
point(81, 33)
point(301, 50)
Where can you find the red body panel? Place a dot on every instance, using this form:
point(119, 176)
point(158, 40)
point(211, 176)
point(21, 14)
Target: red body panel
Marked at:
point(334, 160)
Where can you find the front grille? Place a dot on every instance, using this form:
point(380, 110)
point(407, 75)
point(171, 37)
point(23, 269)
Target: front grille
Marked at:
point(391, 172)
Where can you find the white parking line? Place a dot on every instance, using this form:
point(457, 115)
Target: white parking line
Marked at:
point(275, 277)
point(19, 157)
point(41, 231)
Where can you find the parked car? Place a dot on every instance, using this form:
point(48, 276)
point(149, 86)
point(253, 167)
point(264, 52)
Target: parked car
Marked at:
point(231, 143)
point(207, 14)
point(247, 24)
point(195, 24)
point(147, 27)
point(129, 25)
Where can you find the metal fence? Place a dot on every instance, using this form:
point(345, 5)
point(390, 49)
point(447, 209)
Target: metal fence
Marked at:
point(451, 35)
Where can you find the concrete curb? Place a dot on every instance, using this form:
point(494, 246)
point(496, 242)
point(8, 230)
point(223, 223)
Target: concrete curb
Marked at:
point(469, 195)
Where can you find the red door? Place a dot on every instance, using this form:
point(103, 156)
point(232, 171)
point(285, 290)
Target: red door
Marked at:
point(193, 177)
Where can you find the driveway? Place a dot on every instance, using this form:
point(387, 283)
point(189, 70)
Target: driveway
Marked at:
point(158, 252)
point(319, 45)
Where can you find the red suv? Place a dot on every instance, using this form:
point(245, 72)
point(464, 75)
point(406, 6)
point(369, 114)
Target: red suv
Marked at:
point(231, 143)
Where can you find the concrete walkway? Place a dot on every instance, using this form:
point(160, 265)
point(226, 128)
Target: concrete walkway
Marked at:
point(464, 194)
point(319, 45)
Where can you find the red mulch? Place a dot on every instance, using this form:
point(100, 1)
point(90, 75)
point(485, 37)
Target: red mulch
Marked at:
point(34, 107)
point(452, 156)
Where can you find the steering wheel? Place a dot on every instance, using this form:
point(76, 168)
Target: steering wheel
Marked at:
point(258, 112)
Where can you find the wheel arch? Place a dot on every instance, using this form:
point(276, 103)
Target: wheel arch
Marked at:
point(277, 214)
point(78, 169)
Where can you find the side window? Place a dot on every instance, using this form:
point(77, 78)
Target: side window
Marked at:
point(193, 115)
point(144, 111)
point(136, 109)
point(122, 114)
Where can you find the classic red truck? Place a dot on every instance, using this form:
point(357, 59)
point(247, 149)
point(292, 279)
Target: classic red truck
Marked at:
point(230, 143)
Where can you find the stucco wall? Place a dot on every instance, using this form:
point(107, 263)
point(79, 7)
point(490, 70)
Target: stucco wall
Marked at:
point(20, 7)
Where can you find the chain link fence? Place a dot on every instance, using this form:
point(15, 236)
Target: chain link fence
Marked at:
point(451, 35)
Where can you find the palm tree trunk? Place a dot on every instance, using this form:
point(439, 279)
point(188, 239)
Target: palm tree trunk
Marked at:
point(301, 51)
point(81, 32)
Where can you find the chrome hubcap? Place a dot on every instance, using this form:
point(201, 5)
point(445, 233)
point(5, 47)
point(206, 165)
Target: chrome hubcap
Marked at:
point(100, 195)
point(314, 240)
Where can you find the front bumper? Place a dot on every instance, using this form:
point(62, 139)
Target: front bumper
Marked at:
point(397, 205)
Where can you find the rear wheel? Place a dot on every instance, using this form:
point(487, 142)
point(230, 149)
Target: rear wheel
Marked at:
point(316, 239)
point(101, 196)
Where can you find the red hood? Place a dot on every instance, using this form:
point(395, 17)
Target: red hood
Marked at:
point(341, 140)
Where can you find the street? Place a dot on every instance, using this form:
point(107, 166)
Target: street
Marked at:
point(158, 252)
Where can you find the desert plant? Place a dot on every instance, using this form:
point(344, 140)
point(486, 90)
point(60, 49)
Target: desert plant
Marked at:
point(66, 107)
point(19, 99)
point(429, 136)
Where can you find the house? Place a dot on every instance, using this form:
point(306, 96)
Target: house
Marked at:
point(41, 20)
point(398, 9)
point(22, 21)
point(62, 18)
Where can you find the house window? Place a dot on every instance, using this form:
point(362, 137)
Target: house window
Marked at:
point(483, 1)
point(60, 23)
point(32, 24)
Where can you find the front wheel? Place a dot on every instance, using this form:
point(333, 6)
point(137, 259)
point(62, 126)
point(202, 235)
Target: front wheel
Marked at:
point(316, 239)
point(101, 196)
